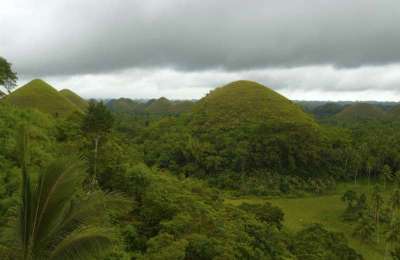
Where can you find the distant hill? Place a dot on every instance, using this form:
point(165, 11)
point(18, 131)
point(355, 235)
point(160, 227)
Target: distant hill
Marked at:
point(40, 95)
point(243, 102)
point(361, 112)
point(327, 110)
point(74, 98)
point(126, 105)
point(165, 106)
point(161, 106)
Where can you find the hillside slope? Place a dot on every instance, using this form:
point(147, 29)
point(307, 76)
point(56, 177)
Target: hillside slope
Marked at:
point(74, 98)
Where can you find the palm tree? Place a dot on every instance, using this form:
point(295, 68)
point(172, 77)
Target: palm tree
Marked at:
point(377, 204)
point(386, 174)
point(397, 179)
point(395, 202)
point(392, 236)
point(56, 218)
point(364, 229)
point(369, 166)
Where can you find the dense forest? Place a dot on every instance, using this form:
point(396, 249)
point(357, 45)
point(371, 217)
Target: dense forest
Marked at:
point(205, 179)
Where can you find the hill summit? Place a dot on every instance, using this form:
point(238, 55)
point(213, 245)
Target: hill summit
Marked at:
point(40, 95)
point(243, 102)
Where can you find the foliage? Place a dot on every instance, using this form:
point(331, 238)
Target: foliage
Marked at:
point(96, 125)
point(315, 242)
point(188, 219)
point(55, 218)
point(8, 78)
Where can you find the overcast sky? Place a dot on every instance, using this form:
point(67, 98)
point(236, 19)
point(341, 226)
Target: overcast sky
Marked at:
point(309, 49)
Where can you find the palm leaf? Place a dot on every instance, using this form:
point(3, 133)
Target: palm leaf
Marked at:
point(85, 211)
point(83, 244)
point(53, 195)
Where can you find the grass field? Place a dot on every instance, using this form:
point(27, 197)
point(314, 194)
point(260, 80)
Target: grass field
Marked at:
point(325, 210)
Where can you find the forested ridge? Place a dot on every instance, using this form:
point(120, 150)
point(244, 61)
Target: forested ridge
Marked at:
point(128, 179)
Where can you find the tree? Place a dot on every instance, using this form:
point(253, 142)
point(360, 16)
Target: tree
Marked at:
point(364, 229)
point(377, 204)
point(349, 197)
point(386, 174)
point(395, 202)
point(396, 253)
point(356, 205)
point(8, 78)
point(392, 236)
point(315, 242)
point(55, 218)
point(369, 165)
point(397, 178)
point(97, 124)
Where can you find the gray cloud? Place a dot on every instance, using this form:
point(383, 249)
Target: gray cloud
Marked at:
point(70, 37)
point(302, 83)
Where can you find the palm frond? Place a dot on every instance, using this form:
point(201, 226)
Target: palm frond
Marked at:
point(24, 225)
point(53, 195)
point(85, 211)
point(83, 244)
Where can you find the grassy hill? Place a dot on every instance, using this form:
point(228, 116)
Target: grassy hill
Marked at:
point(327, 110)
point(361, 112)
point(40, 95)
point(126, 105)
point(165, 106)
point(243, 102)
point(74, 98)
point(161, 106)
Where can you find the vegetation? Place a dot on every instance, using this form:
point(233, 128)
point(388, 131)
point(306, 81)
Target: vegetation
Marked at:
point(243, 173)
point(96, 125)
point(8, 77)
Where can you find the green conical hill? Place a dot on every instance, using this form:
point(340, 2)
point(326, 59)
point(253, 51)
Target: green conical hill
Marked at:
point(244, 102)
point(39, 95)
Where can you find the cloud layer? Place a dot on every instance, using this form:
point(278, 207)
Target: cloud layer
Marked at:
point(301, 83)
point(315, 46)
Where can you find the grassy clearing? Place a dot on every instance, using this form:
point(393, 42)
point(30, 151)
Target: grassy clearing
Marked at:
point(325, 210)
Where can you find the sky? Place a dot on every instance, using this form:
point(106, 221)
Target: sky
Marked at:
point(182, 49)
